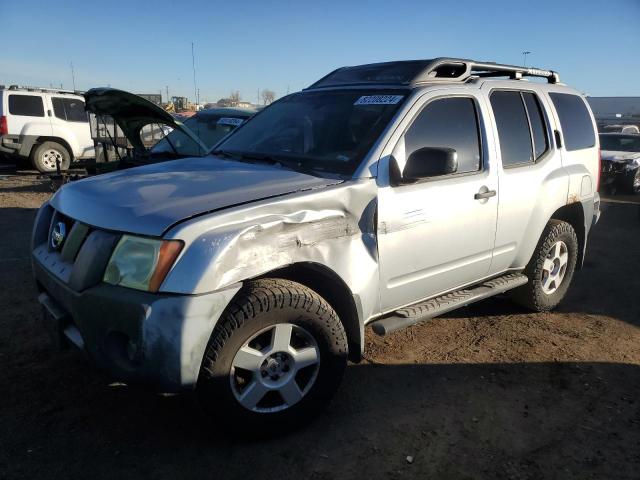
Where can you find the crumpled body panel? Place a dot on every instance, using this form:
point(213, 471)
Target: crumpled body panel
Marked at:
point(333, 226)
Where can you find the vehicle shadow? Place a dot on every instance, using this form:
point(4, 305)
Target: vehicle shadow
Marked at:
point(524, 421)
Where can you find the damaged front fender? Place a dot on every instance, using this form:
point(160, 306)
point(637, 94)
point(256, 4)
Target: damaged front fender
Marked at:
point(333, 226)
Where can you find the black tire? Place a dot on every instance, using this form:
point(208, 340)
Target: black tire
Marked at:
point(532, 295)
point(259, 305)
point(42, 157)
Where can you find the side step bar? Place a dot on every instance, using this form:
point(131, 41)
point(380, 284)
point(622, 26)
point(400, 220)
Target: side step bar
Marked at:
point(434, 307)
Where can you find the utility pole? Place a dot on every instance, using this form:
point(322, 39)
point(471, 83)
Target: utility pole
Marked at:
point(193, 62)
point(73, 77)
point(524, 58)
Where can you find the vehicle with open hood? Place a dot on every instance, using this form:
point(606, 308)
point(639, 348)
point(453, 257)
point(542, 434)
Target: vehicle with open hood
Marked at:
point(620, 161)
point(382, 195)
point(131, 131)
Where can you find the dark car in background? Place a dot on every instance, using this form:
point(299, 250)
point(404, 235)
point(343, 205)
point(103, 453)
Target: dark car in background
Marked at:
point(210, 126)
point(620, 162)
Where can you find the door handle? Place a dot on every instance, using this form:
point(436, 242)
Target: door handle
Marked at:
point(483, 195)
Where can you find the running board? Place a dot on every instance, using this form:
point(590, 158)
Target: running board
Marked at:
point(407, 316)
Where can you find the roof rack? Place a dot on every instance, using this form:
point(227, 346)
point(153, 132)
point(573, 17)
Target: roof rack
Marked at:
point(41, 89)
point(418, 72)
point(481, 69)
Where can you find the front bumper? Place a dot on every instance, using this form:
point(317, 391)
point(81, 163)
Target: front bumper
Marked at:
point(10, 144)
point(596, 209)
point(138, 337)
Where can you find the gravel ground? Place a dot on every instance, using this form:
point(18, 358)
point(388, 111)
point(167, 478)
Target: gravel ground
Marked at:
point(491, 391)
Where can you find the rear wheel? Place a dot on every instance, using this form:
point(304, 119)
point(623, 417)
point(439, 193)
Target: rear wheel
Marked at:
point(551, 268)
point(47, 155)
point(274, 360)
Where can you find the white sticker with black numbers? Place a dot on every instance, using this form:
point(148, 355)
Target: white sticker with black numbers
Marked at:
point(230, 121)
point(379, 99)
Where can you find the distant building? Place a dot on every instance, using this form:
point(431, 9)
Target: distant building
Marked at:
point(619, 110)
point(152, 97)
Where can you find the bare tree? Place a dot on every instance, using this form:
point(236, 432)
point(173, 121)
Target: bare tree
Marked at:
point(268, 96)
point(234, 97)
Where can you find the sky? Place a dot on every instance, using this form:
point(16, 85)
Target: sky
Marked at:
point(284, 46)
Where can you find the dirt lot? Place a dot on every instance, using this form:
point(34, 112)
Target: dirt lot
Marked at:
point(491, 391)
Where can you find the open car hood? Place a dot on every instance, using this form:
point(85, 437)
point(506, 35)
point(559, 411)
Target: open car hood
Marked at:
point(132, 112)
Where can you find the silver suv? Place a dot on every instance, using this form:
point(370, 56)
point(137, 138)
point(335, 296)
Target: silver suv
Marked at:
point(383, 194)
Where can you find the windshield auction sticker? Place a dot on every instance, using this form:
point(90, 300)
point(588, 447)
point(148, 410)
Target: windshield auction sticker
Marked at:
point(230, 121)
point(379, 100)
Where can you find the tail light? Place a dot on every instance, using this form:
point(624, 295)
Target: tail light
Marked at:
point(4, 130)
point(599, 170)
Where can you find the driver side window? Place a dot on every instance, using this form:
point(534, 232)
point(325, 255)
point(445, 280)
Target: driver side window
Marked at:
point(448, 123)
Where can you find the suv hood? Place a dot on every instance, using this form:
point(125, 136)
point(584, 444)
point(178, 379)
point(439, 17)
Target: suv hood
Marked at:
point(148, 200)
point(132, 112)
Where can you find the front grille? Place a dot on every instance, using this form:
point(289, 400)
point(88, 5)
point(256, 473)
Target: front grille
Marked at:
point(66, 236)
point(72, 251)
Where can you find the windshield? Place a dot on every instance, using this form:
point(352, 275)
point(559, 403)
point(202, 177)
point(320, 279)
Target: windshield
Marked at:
point(620, 143)
point(209, 128)
point(328, 131)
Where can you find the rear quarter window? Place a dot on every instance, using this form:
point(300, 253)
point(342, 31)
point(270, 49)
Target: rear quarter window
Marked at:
point(70, 109)
point(26, 105)
point(513, 128)
point(575, 121)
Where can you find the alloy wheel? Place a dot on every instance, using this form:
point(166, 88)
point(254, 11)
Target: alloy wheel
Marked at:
point(555, 267)
point(275, 368)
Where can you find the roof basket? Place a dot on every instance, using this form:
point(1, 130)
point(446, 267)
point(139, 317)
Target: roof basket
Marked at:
point(416, 72)
point(490, 69)
point(461, 69)
point(43, 89)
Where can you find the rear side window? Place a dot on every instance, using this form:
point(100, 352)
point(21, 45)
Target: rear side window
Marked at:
point(513, 128)
point(26, 105)
point(69, 109)
point(575, 121)
point(538, 124)
point(449, 123)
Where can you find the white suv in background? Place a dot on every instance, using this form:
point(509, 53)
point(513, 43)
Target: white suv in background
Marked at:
point(45, 126)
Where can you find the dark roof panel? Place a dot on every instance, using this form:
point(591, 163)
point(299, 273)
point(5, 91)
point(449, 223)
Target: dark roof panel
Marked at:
point(388, 73)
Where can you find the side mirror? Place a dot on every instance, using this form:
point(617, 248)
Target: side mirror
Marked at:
point(429, 162)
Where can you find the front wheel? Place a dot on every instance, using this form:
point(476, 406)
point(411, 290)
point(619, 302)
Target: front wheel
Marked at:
point(274, 360)
point(551, 268)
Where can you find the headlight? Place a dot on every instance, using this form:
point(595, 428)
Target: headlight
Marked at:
point(141, 263)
